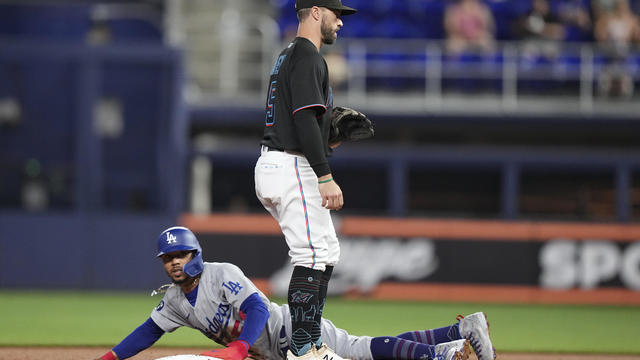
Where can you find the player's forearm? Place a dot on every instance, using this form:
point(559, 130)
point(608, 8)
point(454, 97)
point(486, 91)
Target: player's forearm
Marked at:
point(140, 339)
point(311, 142)
point(257, 315)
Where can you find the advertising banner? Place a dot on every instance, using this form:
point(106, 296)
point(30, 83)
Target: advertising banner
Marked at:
point(445, 259)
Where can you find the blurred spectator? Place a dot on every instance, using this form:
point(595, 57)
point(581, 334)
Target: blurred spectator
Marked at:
point(541, 31)
point(338, 68)
point(616, 29)
point(469, 27)
point(601, 7)
point(574, 14)
point(617, 25)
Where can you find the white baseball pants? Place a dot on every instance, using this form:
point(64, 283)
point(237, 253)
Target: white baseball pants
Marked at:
point(287, 187)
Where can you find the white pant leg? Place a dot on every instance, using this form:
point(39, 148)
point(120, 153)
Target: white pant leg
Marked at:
point(347, 346)
point(334, 246)
point(288, 188)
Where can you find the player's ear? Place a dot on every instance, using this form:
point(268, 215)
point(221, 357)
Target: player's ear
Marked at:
point(316, 13)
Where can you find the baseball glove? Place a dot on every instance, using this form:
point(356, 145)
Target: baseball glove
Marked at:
point(348, 124)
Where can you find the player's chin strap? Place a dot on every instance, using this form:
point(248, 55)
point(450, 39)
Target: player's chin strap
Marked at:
point(161, 290)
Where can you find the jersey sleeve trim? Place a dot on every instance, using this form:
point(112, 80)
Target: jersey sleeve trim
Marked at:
point(324, 108)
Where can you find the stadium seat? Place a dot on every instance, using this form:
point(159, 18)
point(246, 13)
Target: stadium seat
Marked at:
point(128, 30)
point(504, 13)
point(396, 26)
point(61, 22)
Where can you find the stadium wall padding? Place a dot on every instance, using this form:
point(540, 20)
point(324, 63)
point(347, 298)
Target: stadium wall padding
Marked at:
point(115, 252)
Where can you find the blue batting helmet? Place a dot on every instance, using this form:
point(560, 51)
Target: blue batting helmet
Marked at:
point(180, 238)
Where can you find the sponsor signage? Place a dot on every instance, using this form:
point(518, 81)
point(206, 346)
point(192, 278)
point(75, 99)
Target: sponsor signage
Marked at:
point(368, 261)
point(548, 257)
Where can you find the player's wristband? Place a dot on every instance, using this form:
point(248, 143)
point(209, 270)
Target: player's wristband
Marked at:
point(108, 356)
point(325, 181)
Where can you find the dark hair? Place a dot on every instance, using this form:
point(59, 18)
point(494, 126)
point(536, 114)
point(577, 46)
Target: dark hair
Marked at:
point(303, 13)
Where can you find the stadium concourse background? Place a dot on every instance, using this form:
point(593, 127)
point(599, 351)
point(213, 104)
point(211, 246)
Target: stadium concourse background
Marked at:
point(497, 175)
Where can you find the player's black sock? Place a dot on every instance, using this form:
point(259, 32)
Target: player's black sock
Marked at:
point(303, 304)
point(322, 296)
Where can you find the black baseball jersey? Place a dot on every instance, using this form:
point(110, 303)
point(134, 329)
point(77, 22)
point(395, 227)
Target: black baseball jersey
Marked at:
point(299, 80)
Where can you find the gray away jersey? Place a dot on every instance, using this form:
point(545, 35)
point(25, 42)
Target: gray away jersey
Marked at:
point(221, 290)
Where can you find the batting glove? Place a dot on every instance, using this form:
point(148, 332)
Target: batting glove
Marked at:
point(236, 350)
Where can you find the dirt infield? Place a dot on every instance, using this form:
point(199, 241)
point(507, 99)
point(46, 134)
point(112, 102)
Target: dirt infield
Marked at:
point(87, 353)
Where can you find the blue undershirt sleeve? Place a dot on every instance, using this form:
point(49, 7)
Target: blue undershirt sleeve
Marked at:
point(257, 315)
point(141, 338)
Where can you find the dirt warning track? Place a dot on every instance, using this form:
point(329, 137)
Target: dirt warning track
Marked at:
point(89, 353)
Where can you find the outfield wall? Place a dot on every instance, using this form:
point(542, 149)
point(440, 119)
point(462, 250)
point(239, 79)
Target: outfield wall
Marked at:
point(445, 260)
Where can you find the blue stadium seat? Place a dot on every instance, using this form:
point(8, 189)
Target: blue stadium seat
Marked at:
point(504, 14)
point(431, 14)
point(288, 24)
point(127, 30)
point(356, 26)
point(576, 34)
point(396, 26)
point(62, 22)
point(283, 5)
point(633, 64)
point(366, 7)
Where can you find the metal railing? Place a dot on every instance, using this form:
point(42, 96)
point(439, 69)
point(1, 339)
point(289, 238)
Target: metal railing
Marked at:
point(574, 70)
point(419, 76)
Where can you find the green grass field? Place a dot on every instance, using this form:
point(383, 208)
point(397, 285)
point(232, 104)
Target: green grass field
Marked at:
point(96, 318)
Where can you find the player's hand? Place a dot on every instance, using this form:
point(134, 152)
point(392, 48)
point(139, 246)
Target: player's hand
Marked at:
point(110, 355)
point(331, 193)
point(335, 144)
point(236, 350)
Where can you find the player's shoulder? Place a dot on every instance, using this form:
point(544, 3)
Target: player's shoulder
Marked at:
point(172, 291)
point(304, 44)
point(220, 266)
point(302, 48)
point(216, 269)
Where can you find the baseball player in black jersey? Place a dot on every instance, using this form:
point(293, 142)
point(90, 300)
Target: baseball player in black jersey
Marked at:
point(293, 179)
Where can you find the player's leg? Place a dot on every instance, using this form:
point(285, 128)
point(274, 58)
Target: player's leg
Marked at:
point(301, 223)
point(322, 297)
point(334, 256)
point(345, 345)
point(433, 336)
point(389, 347)
point(277, 188)
point(474, 328)
point(322, 232)
point(303, 304)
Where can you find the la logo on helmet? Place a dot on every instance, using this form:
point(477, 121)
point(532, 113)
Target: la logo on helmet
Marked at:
point(171, 239)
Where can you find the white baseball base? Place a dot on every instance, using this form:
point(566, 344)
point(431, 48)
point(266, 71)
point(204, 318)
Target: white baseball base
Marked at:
point(188, 357)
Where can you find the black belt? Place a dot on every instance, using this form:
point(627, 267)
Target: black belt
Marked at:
point(269, 148)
